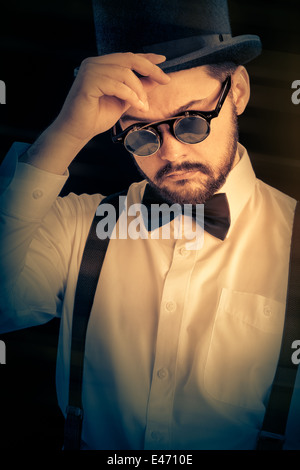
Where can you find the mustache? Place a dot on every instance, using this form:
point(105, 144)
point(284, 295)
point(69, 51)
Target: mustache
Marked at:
point(184, 166)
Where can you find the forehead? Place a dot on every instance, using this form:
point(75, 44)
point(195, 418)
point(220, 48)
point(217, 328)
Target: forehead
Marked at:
point(184, 87)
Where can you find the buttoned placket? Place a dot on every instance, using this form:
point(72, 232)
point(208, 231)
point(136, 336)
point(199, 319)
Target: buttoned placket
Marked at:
point(158, 433)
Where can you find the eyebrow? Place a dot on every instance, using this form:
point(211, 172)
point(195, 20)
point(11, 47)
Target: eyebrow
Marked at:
point(128, 117)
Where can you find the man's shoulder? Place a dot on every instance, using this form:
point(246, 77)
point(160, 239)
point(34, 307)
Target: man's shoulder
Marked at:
point(277, 207)
point(270, 193)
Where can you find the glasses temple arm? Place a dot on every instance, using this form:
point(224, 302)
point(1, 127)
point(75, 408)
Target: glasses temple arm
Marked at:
point(225, 91)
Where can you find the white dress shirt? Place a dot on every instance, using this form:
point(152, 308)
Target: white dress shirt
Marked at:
point(182, 345)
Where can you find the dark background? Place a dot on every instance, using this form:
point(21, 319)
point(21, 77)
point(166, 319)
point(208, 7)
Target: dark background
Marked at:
point(40, 45)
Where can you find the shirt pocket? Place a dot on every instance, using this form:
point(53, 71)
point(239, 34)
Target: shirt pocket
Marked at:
point(244, 349)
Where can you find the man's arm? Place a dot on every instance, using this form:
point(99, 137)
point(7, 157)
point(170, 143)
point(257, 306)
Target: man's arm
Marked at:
point(35, 233)
point(37, 230)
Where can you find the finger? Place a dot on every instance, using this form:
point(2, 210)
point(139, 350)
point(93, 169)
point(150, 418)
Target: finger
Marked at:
point(126, 76)
point(121, 58)
point(96, 78)
point(155, 58)
point(146, 65)
point(137, 62)
point(111, 87)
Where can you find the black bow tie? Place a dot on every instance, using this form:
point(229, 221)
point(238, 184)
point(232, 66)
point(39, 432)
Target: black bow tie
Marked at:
point(216, 212)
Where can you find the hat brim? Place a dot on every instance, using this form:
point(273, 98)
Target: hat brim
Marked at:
point(240, 50)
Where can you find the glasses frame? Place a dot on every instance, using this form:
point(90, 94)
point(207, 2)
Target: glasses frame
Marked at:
point(119, 136)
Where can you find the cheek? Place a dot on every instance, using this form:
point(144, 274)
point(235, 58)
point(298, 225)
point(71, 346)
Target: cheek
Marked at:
point(149, 165)
point(221, 133)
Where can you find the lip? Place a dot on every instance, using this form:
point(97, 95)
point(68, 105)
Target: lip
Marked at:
point(182, 174)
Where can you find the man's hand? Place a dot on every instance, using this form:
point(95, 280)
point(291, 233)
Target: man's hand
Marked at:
point(105, 87)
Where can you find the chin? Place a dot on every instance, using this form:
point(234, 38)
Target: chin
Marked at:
point(185, 194)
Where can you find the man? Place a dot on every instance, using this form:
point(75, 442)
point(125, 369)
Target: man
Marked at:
point(182, 345)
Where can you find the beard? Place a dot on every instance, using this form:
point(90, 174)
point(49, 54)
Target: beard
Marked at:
point(183, 191)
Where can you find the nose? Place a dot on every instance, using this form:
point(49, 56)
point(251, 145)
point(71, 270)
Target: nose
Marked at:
point(171, 149)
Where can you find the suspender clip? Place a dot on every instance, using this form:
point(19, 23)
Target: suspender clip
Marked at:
point(74, 411)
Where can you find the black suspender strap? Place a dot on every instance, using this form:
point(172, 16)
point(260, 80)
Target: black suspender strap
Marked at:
point(272, 434)
point(91, 264)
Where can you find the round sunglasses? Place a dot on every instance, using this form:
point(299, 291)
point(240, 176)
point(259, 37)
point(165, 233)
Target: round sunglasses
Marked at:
point(189, 127)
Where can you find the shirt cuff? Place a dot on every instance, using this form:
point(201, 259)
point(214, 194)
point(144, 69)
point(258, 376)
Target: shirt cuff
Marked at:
point(27, 192)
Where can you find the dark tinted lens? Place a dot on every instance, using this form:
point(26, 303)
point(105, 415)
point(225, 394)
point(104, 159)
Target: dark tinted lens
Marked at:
point(191, 129)
point(142, 142)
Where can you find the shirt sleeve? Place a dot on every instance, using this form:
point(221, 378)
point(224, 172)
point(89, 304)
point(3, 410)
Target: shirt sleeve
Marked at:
point(8, 166)
point(24, 189)
point(35, 231)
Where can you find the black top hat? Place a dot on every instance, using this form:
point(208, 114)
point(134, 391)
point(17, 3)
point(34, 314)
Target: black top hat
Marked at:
point(188, 32)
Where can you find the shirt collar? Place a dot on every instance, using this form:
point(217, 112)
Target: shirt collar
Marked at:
point(239, 185)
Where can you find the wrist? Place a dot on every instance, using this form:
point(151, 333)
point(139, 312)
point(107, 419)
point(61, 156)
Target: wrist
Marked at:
point(53, 151)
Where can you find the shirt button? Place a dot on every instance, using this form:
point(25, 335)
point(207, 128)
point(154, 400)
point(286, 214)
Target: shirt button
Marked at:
point(156, 436)
point(267, 311)
point(37, 194)
point(183, 251)
point(171, 306)
point(162, 373)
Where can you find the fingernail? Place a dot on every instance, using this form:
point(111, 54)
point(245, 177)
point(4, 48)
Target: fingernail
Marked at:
point(144, 105)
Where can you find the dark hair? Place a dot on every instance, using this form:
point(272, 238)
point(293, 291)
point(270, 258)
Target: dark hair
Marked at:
point(222, 70)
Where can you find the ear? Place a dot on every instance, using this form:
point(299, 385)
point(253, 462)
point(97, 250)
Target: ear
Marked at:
point(240, 89)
